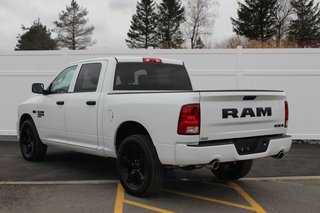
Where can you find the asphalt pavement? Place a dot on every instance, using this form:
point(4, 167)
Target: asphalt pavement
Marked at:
point(59, 164)
point(74, 182)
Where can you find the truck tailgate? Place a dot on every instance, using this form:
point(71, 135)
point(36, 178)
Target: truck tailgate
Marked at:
point(238, 114)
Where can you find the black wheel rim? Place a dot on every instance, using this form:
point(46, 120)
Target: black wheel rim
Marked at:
point(27, 141)
point(132, 165)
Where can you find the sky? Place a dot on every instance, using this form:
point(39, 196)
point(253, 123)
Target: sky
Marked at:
point(111, 19)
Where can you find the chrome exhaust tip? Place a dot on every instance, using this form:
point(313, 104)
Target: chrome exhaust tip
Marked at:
point(280, 155)
point(215, 164)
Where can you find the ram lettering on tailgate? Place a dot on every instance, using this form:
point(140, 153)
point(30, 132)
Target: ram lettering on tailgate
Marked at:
point(258, 112)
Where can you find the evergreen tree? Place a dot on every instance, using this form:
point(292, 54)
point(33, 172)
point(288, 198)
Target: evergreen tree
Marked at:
point(255, 19)
point(304, 30)
point(71, 27)
point(143, 29)
point(36, 37)
point(171, 16)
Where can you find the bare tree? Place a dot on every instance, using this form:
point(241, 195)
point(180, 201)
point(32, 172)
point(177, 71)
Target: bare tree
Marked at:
point(200, 17)
point(282, 17)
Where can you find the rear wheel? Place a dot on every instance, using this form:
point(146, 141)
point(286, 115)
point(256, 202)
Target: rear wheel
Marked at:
point(31, 147)
point(138, 166)
point(233, 170)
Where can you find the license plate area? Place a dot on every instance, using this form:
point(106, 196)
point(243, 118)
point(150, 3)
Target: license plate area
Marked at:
point(253, 145)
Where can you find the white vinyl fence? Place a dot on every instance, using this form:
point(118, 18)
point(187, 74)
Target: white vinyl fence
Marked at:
point(297, 71)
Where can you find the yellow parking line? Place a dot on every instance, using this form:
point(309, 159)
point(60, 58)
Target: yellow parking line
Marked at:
point(246, 196)
point(119, 199)
point(210, 199)
point(118, 207)
point(152, 208)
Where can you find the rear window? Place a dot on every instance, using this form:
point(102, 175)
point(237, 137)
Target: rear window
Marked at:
point(151, 76)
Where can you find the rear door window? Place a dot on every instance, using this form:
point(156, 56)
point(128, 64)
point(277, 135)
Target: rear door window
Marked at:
point(88, 78)
point(151, 76)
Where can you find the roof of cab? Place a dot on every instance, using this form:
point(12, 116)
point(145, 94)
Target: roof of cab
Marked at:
point(133, 59)
point(140, 59)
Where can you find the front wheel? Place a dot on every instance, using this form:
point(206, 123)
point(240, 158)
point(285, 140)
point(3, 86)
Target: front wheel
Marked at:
point(31, 146)
point(233, 170)
point(138, 166)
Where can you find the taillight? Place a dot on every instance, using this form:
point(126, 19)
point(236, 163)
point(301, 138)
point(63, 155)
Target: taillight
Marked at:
point(152, 60)
point(189, 120)
point(286, 116)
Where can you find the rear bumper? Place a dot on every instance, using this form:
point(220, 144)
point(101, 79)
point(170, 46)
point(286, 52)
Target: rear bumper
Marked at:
point(200, 155)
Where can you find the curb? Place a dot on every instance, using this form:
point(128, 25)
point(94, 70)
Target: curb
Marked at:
point(8, 138)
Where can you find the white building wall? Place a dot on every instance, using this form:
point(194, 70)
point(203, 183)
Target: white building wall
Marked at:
point(297, 71)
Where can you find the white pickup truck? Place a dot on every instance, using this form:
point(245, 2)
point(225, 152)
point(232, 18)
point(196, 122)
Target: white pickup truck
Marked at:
point(144, 112)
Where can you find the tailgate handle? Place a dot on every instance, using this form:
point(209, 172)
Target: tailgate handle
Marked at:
point(249, 98)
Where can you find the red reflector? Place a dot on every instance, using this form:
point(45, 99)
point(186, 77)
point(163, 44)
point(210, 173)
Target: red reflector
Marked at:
point(152, 60)
point(286, 117)
point(189, 121)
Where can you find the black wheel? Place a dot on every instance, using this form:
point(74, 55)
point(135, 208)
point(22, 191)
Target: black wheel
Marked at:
point(233, 170)
point(138, 166)
point(31, 147)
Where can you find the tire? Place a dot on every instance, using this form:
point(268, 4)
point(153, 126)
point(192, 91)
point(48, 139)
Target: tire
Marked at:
point(32, 149)
point(139, 167)
point(233, 170)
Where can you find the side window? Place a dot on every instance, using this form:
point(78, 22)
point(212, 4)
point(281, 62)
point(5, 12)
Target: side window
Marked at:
point(62, 82)
point(88, 78)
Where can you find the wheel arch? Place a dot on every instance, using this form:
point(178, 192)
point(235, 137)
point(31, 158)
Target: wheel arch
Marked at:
point(23, 118)
point(128, 128)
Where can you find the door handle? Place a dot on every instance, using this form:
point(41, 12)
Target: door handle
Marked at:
point(60, 102)
point(91, 103)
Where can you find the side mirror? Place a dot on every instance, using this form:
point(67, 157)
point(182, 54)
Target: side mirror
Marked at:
point(38, 88)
